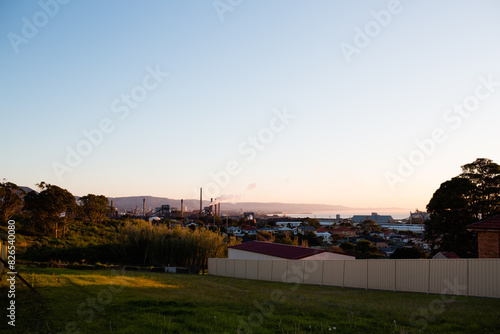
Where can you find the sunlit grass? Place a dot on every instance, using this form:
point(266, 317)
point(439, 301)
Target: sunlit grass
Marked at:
point(52, 279)
point(135, 302)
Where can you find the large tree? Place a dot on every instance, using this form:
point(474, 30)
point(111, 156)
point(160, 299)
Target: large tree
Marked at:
point(367, 226)
point(51, 208)
point(11, 200)
point(95, 207)
point(485, 175)
point(463, 200)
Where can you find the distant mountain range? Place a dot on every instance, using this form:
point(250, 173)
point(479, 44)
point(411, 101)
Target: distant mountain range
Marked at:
point(123, 203)
point(131, 202)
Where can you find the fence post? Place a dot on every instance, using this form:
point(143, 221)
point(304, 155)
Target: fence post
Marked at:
point(367, 274)
point(343, 276)
point(322, 271)
point(286, 272)
point(395, 274)
point(429, 277)
point(467, 291)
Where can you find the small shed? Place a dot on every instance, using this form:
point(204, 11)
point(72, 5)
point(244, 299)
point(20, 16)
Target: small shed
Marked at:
point(445, 255)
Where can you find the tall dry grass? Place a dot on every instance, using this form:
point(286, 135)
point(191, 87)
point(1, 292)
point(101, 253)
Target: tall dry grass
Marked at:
point(142, 242)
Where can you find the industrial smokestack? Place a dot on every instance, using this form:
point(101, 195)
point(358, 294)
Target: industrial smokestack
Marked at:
point(182, 208)
point(201, 199)
point(144, 207)
point(211, 206)
point(218, 209)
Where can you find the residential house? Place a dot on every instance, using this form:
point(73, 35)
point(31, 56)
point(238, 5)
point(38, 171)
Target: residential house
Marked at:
point(346, 232)
point(324, 234)
point(259, 250)
point(304, 229)
point(488, 237)
point(248, 229)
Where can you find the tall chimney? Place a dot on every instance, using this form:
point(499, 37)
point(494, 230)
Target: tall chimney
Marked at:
point(211, 206)
point(201, 199)
point(144, 207)
point(218, 208)
point(182, 208)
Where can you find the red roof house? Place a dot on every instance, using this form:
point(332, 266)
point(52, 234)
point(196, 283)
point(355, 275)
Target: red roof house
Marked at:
point(259, 250)
point(488, 236)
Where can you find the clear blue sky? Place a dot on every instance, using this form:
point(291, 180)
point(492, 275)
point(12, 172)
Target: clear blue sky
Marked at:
point(363, 82)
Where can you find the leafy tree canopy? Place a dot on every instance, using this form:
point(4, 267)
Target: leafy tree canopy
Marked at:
point(10, 200)
point(95, 207)
point(465, 199)
point(51, 207)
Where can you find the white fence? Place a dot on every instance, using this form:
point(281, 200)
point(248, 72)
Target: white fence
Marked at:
point(468, 277)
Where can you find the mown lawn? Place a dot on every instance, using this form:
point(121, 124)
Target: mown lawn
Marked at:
point(133, 302)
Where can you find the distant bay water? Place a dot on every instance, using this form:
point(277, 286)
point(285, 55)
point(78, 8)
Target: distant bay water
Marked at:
point(347, 214)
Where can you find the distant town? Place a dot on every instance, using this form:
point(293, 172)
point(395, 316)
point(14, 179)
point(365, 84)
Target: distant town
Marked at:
point(386, 233)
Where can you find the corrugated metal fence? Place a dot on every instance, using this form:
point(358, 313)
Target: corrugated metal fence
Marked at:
point(468, 277)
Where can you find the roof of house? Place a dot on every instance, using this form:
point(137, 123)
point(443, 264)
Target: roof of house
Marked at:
point(278, 250)
point(492, 223)
point(307, 228)
point(248, 228)
point(321, 230)
point(448, 255)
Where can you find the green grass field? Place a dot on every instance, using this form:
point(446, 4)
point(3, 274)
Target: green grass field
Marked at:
point(133, 302)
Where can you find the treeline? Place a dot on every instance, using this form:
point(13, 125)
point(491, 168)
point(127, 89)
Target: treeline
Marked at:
point(52, 225)
point(51, 210)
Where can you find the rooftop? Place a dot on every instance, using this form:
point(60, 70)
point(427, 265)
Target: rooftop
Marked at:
point(277, 250)
point(492, 223)
point(448, 255)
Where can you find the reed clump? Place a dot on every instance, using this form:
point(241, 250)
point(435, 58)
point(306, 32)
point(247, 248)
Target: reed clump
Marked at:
point(140, 242)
